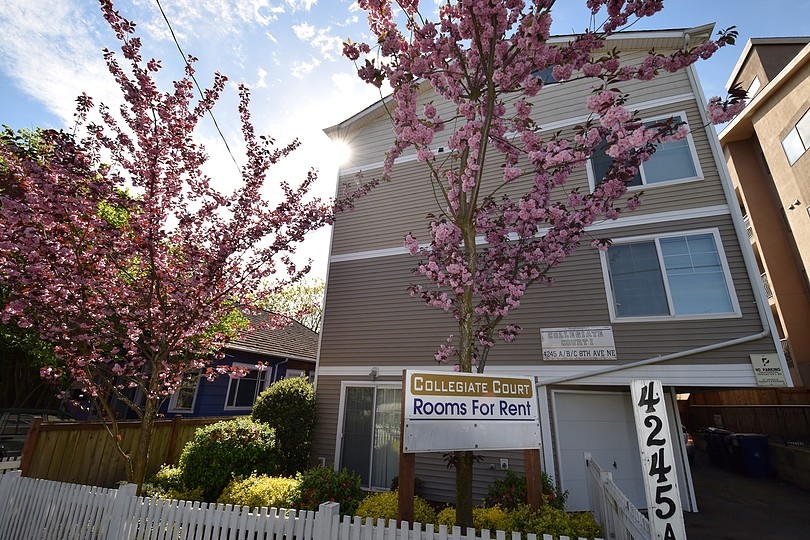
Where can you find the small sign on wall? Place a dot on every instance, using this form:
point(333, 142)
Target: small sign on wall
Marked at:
point(657, 461)
point(583, 343)
point(768, 370)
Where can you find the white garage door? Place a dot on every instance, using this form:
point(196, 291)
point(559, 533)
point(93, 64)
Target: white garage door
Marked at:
point(602, 424)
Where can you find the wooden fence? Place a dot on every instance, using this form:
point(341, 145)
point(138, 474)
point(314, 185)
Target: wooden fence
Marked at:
point(33, 508)
point(619, 518)
point(84, 453)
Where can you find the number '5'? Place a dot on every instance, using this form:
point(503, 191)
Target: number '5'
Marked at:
point(660, 498)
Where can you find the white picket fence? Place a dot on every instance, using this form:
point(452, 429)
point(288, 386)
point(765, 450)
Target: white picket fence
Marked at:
point(619, 518)
point(8, 464)
point(33, 509)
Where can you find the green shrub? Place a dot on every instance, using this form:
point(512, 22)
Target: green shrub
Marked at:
point(547, 520)
point(418, 485)
point(228, 449)
point(323, 484)
point(510, 492)
point(384, 505)
point(493, 518)
point(168, 484)
point(289, 407)
point(553, 521)
point(257, 491)
point(168, 478)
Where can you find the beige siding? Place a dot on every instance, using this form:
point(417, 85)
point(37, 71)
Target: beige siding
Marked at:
point(369, 310)
point(383, 218)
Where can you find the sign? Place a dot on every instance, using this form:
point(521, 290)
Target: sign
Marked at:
point(768, 370)
point(657, 461)
point(467, 411)
point(585, 343)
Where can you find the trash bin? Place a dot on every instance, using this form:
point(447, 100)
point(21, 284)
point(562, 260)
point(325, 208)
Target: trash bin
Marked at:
point(717, 448)
point(750, 454)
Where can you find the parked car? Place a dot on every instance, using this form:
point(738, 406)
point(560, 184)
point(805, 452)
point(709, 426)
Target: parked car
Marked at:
point(689, 442)
point(15, 423)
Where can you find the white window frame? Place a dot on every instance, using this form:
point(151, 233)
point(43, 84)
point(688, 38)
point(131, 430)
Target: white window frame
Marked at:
point(647, 186)
point(614, 317)
point(796, 134)
point(344, 386)
point(259, 387)
point(173, 408)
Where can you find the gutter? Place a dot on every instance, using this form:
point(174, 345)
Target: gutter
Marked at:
point(657, 359)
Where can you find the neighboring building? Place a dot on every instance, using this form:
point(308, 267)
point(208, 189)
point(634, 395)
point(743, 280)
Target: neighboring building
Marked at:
point(289, 351)
point(694, 327)
point(765, 148)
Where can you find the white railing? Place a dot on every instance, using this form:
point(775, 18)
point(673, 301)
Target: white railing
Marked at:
point(748, 227)
point(42, 509)
point(8, 464)
point(611, 508)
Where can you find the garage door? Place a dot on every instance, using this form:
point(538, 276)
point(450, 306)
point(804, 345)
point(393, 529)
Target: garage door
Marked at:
point(602, 424)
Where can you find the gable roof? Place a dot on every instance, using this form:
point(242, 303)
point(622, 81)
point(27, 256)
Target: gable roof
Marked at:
point(293, 341)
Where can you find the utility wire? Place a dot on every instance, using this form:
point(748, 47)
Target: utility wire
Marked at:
point(199, 89)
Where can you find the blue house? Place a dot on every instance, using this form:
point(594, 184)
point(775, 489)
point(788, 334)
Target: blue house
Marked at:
point(289, 351)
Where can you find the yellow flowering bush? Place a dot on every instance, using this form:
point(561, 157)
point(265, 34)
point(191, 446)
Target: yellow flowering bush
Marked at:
point(384, 505)
point(257, 491)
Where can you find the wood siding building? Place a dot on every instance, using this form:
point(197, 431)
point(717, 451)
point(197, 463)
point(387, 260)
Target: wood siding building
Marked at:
point(373, 330)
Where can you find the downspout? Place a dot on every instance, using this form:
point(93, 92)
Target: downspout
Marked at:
point(761, 300)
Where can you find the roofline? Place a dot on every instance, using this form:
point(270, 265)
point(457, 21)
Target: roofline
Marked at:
point(265, 353)
point(760, 41)
point(696, 33)
point(775, 84)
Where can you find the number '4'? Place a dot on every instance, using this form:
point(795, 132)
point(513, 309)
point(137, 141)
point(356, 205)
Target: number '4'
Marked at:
point(649, 398)
point(658, 467)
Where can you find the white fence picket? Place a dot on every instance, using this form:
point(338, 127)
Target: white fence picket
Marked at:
point(44, 510)
point(8, 464)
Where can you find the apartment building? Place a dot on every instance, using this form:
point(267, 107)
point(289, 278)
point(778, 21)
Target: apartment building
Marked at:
point(765, 149)
point(678, 296)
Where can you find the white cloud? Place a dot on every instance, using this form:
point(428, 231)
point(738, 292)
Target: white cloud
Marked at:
point(304, 31)
point(51, 51)
point(301, 69)
point(301, 5)
point(262, 82)
point(329, 45)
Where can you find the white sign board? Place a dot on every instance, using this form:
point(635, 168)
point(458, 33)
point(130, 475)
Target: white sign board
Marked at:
point(585, 343)
point(768, 370)
point(467, 411)
point(657, 461)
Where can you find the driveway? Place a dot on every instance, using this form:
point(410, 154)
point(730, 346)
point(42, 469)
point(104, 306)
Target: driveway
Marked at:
point(735, 507)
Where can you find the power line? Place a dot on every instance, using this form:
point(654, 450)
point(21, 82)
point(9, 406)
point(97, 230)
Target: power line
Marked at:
point(199, 89)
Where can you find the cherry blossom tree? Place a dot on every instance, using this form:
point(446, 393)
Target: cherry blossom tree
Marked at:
point(483, 60)
point(302, 301)
point(118, 249)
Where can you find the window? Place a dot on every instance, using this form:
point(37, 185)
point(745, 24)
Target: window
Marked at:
point(753, 88)
point(184, 397)
point(797, 140)
point(545, 75)
point(672, 161)
point(670, 276)
point(242, 391)
point(370, 439)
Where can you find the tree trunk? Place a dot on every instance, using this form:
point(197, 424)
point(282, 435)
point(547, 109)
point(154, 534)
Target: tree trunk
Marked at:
point(464, 477)
point(140, 457)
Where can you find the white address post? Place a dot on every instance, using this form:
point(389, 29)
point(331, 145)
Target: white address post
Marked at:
point(657, 461)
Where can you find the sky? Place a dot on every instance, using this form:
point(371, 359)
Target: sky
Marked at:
point(289, 53)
